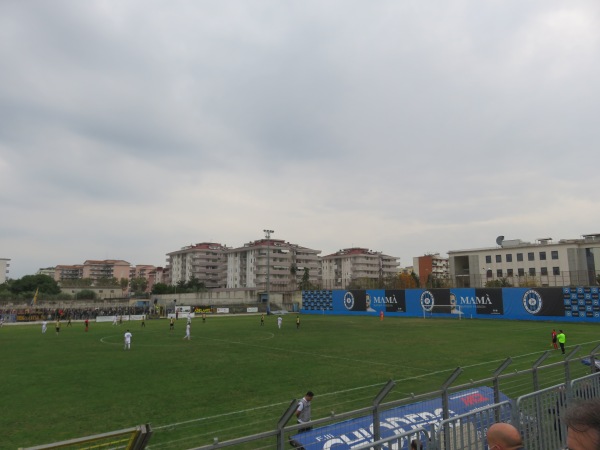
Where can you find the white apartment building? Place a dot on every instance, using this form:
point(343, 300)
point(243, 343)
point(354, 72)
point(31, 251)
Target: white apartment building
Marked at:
point(345, 266)
point(49, 271)
point(4, 265)
point(206, 261)
point(282, 263)
point(543, 263)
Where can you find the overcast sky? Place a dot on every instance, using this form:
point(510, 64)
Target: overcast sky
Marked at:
point(129, 129)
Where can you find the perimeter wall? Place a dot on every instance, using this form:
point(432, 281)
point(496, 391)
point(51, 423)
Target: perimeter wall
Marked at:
point(568, 304)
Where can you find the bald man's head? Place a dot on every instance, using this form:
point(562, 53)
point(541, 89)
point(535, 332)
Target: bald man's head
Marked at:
point(503, 436)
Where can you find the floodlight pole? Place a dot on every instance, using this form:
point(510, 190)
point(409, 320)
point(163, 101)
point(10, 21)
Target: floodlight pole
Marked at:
point(268, 236)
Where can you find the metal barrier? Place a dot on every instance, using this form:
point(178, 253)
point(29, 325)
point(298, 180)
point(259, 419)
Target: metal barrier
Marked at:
point(454, 417)
point(129, 439)
point(468, 430)
point(539, 418)
point(390, 425)
point(586, 388)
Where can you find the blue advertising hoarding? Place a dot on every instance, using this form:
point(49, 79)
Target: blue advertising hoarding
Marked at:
point(568, 304)
point(351, 433)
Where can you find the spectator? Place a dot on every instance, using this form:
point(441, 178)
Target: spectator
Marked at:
point(416, 444)
point(303, 413)
point(504, 436)
point(583, 425)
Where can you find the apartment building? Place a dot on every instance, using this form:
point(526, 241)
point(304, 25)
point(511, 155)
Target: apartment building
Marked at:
point(4, 265)
point(93, 269)
point(352, 264)
point(542, 263)
point(48, 271)
point(68, 272)
point(106, 269)
point(281, 263)
point(146, 271)
point(430, 267)
point(207, 261)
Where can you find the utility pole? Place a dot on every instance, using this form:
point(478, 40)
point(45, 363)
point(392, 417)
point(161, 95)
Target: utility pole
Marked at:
point(268, 236)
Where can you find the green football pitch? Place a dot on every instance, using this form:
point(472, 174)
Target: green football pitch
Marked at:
point(235, 377)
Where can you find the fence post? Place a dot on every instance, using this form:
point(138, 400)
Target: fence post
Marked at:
point(568, 358)
point(593, 358)
point(287, 415)
point(376, 402)
point(445, 402)
point(497, 373)
point(535, 367)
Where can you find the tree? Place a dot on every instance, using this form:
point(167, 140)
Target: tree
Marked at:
point(162, 288)
point(85, 294)
point(194, 284)
point(32, 283)
point(500, 282)
point(416, 281)
point(305, 282)
point(406, 281)
point(107, 282)
point(77, 282)
point(138, 284)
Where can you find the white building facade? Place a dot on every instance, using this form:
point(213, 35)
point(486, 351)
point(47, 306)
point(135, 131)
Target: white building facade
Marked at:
point(543, 263)
point(340, 269)
point(4, 265)
point(207, 261)
point(275, 261)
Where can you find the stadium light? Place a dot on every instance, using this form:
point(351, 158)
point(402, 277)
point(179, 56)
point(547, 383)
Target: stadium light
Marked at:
point(268, 236)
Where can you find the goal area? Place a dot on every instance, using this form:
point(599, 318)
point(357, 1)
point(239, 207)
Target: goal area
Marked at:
point(452, 310)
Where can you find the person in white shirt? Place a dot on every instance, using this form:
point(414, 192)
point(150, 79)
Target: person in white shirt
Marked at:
point(115, 320)
point(303, 411)
point(279, 321)
point(187, 332)
point(44, 326)
point(128, 336)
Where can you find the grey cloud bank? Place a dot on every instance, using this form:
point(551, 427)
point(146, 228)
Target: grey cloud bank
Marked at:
point(130, 129)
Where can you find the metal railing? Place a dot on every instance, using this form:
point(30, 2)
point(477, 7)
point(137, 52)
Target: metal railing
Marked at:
point(535, 413)
point(129, 439)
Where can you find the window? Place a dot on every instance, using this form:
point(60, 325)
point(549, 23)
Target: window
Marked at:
point(488, 259)
point(498, 258)
point(555, 271)
point(542, 256)
point(521, 272)
point(519, 256)
point(509, 272)
point(509, 257)
point(530, 256)
point(499, 273)
point(532, 271)
point(554, 254)
point(544, 271)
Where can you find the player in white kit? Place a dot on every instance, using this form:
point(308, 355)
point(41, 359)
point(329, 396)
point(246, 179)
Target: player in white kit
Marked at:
point(127, 343)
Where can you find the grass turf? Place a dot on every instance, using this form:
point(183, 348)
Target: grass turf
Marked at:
point(236, 378)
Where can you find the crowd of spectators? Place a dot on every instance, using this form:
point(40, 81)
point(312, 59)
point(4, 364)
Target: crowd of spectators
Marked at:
point(33, 314)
